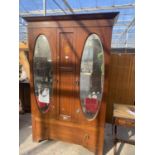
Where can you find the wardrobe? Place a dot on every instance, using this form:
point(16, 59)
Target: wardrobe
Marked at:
point(69, 64)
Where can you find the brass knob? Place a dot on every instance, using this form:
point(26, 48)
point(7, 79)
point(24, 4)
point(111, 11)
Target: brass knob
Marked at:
point(77, 82)
point(78, 110)
point(86, 137)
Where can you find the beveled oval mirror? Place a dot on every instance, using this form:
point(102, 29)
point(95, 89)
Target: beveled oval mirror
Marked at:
point(43, 73)
point(92, 76)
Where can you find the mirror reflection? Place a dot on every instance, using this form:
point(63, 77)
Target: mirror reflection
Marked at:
point(43, 73)
point(91, 76)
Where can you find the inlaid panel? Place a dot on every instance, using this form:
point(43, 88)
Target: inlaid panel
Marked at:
point(66, 72)
point(66, 51)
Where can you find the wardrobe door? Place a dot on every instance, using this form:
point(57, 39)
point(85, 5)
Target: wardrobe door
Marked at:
point(66, 73)
point(43, 72)
point(93, 53)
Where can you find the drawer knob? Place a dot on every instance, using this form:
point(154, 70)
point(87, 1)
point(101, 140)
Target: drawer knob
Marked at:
point(77, 110)
point(65, 118)
point(77, 82)
point(86, 137)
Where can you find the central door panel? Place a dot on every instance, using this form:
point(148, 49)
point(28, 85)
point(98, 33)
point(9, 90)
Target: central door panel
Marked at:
point(66, 73)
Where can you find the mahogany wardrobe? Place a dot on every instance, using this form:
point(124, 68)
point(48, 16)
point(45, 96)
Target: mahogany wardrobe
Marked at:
point(69, 59)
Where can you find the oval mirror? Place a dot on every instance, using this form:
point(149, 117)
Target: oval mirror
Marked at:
point(43, 73)
point(92, 76)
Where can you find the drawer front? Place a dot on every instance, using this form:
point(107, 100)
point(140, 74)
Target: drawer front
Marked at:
point(89, 137)
point(77, 135)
